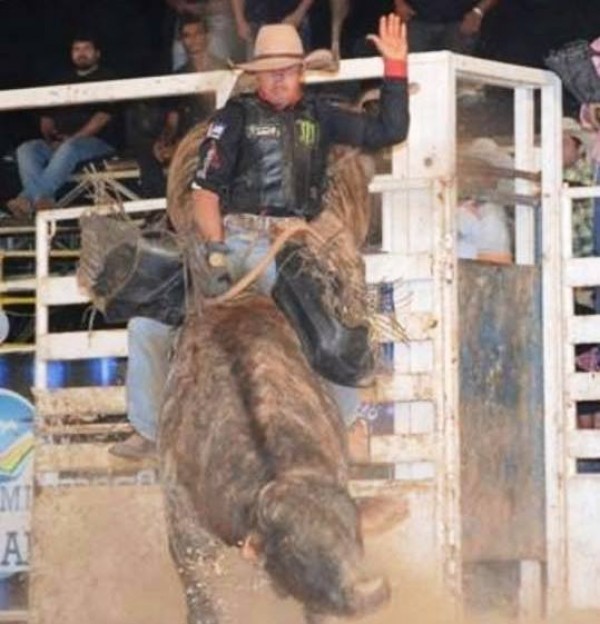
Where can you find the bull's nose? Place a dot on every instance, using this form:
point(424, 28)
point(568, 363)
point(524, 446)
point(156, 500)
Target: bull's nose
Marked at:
point(369, 595)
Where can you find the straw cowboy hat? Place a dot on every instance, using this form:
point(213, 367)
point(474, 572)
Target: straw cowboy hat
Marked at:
point(485, 149)
point(279, 46)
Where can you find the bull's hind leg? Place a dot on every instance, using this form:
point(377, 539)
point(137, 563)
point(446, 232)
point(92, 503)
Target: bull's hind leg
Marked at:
point(194, 552)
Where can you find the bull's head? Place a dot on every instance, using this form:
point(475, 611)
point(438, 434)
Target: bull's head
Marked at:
point(309, 537)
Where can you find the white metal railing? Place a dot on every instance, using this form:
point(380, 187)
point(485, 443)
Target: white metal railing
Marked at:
point(427, 175)
point(578, 272)
point(221, 82)
point(580, 492)
point(56, 291)
point(63, 291)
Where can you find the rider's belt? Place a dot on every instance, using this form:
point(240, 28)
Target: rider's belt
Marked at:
point(260, 223)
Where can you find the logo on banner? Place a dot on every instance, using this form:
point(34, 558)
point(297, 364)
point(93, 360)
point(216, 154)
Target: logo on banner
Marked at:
point(16, 481)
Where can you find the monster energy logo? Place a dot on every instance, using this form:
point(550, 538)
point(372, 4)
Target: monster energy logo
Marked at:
point(307, 132)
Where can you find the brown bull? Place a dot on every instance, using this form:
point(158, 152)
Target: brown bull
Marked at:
point(253, 448)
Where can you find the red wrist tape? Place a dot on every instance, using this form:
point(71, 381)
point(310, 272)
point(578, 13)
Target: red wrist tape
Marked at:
point(393, 68)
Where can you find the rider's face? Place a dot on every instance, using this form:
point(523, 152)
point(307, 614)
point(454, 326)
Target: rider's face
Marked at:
point(282, 87)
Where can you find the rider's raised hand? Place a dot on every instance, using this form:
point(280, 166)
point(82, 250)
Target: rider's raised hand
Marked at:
point(391, 42)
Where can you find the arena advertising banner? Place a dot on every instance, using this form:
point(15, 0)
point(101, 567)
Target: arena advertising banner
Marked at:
point(16, 481)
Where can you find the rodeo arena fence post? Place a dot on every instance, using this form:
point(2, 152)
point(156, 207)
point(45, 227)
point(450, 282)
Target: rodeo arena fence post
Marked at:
point(474, 426)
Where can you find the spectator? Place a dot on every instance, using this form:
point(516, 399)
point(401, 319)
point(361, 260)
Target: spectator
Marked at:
point(590, 118)
point(177, 115)
point(71, 135)
point(221, 27)
point(444, 24)
point(577, 171)
point(483, 230)
point(250, 15)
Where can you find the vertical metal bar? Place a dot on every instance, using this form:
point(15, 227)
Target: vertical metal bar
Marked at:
point(524, 159)
point(445, 374)
point(225, 88)
point(530, 591)
point(387, 220)
point(42, 270)
point(569, 413)
point(554, 343)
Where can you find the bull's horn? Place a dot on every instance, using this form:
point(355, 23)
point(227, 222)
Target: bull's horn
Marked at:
point(251, 548)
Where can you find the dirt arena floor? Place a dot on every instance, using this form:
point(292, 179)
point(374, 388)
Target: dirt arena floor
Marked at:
point(100, 557)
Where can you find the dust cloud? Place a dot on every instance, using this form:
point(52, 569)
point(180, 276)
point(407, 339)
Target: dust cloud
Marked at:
point(247, 598)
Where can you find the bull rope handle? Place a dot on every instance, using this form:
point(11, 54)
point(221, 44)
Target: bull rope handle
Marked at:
point(261, 267)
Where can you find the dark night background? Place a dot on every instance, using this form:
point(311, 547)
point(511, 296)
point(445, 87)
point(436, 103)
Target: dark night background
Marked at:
point(134, 36)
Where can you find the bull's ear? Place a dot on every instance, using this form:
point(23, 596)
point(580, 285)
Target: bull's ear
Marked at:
point(252, 547)
point(268, 507)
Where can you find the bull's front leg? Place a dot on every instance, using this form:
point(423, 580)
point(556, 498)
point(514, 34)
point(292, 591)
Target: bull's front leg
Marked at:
point(194, 552)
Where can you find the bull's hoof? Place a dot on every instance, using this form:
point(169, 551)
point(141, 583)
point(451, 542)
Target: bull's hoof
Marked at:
point(379, 514)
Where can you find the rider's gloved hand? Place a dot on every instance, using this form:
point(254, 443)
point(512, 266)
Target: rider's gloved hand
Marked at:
point(219, 277)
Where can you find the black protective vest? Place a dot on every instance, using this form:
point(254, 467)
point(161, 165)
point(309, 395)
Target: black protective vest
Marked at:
point(282, 162)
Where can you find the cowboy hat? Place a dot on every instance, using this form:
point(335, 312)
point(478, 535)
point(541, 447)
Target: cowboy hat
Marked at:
point(279, 46)
point(485, 149)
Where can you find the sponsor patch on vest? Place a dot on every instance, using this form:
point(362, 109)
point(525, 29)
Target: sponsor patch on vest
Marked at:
point(307, 132)
point(263, 131)
point(215, 130)
point(211, 162)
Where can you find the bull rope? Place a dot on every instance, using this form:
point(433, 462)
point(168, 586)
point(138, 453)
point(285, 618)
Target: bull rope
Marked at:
point(249, 278)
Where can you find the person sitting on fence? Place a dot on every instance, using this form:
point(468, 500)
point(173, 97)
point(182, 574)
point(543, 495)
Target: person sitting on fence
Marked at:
point(483, 227)
point(71, 135)
point(177, 115)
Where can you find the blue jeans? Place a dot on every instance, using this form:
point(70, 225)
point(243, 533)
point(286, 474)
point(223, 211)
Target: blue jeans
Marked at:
point(44, 169)
point(150, 342)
